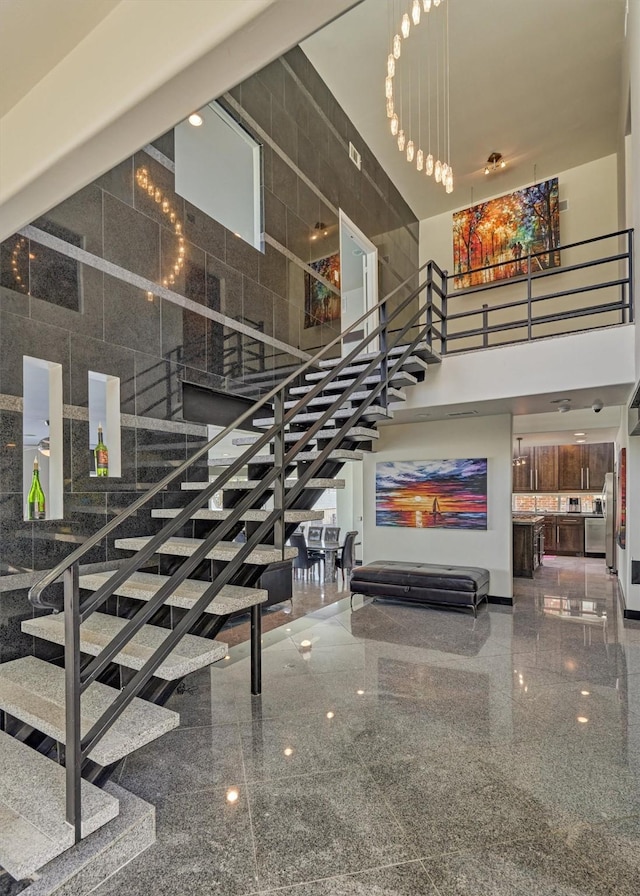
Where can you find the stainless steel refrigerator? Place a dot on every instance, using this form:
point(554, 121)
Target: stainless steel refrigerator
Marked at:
point(609, 508)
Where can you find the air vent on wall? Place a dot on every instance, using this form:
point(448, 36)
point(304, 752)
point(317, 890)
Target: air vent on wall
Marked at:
point(463, 414)
point(563, 205)
point(355, 156)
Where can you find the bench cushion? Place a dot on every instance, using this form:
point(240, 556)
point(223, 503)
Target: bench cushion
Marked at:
point(438, 577)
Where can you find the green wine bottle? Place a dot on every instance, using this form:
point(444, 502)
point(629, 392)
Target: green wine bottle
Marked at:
point(101, 454)
point(35, 499)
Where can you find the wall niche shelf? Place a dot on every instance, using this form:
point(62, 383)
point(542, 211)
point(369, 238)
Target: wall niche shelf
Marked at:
point(42, 438)
point(104, 409)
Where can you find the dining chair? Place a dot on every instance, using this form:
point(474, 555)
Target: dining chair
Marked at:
point(314, 536)
point(331, 534)
point(303, 560)
point(347, 560)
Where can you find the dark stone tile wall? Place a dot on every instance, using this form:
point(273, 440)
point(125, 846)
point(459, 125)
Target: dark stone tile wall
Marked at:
point(71, 313)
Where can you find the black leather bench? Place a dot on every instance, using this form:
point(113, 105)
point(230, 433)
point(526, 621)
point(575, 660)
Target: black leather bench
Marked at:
point(428, 583)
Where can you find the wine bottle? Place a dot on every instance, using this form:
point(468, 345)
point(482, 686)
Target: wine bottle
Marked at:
point(101, 455)
point(35, 499)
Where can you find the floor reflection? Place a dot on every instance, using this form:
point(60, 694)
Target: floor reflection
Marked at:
point(401, 750)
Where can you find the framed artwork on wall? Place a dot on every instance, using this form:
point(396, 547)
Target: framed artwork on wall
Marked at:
point(432, 494)
point(322, 304)
point(492, 240)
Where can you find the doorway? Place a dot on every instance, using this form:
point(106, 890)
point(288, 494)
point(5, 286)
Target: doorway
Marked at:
point(359, 284)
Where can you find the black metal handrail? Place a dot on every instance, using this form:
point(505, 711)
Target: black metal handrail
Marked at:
point(623, 306)
point(78, 747)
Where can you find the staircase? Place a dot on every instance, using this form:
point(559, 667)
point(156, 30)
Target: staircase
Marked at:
point(132, 633)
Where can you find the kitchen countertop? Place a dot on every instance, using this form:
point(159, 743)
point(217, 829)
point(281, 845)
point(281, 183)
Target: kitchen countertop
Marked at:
point(528, 519)
point(525, 515)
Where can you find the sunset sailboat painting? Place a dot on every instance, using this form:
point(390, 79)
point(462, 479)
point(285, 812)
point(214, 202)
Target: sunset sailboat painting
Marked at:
point(432, 494)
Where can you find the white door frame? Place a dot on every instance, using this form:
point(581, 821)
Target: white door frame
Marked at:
point(353, 241)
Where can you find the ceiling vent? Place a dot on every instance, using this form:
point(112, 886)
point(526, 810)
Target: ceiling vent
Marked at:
point(463, 414)
point(355, 156)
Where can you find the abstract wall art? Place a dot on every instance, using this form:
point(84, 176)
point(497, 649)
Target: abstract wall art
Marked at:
point(492, 240)
point(432, 494)
point(321, 304)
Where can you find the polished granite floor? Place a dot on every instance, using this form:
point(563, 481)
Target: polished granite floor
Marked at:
point(404, 750)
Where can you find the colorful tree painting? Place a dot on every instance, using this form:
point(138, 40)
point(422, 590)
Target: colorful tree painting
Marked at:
point(432, 494)
point(492, 240)
point(322, 304)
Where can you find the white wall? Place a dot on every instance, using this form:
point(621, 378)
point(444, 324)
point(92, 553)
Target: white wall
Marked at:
point(349, 507)
point(593, 209)
point(591, 193)
point(488, 437)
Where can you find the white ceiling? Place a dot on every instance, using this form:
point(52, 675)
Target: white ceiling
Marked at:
point(537, 80)
point(35, 35)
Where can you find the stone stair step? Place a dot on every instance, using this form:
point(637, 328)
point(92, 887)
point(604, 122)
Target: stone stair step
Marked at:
point(241, 441)
point(261, 555)
point(190, 654)
point(399, 379)
point(420, 352)
point(143, 585)
point(251, 516)
point(336, 454)
point(355, 434)
point(356, 397)
point(373, 412)
point(254, 483)
point(33, 829)
point(34, 691)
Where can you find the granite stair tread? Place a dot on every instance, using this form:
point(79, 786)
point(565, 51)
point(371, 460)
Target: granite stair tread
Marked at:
point(34, 691)
point(399, 379)
point(33, 829)
point(261, 555)
point(254, 483)
point(190, 654)
point(250, 516)
point(143, 585)
point(268, 459)
point(422, 352)
point(319, 400)
point(355, 434)
point(373, 412)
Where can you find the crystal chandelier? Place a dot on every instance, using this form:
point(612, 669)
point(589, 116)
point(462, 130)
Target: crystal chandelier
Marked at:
point(426, 60)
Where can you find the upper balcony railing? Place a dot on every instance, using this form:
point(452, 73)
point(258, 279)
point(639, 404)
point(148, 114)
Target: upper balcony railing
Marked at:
point(524, 297)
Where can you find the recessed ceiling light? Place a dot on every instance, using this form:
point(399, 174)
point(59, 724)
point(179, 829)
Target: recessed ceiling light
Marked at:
point(196, 119)
point(579, 433)
point(580, 441)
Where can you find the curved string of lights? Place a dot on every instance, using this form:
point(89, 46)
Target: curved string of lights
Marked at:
point(441, 171)
point(144, 181)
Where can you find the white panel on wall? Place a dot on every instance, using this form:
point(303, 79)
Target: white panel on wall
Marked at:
point(219, 170)
point(488, 437)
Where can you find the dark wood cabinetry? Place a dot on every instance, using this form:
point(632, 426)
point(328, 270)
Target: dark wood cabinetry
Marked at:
point(539, 472)
point(564, 534)
point(583, 467)
point(528, 546)
point(564, 468)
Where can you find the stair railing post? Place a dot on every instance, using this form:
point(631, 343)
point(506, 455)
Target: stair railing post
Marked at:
point(429, 307)
point(443, 322)
point(73, 746)
point(279, 484)
point(384, 363)
point(529, 325)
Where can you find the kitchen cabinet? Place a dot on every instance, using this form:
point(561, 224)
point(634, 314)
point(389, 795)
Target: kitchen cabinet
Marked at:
point(583, 467)
point(528, 545)
point(564, 534)
point(522, 475)
point(540, 472)
point(570, 535)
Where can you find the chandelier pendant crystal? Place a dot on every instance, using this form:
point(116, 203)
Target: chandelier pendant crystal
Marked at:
point(436, 61)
